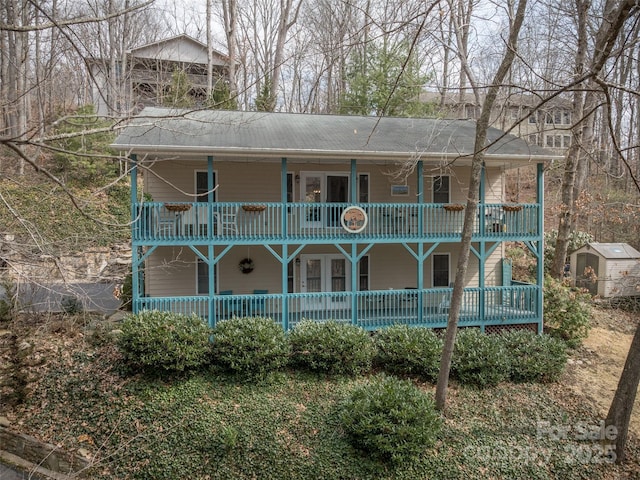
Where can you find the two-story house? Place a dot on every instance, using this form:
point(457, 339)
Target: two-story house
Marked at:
point(356, 219)
point(547, 126)
point(145, 74)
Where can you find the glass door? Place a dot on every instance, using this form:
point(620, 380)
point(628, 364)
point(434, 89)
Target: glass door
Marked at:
point(320, 187)
point(324, 274)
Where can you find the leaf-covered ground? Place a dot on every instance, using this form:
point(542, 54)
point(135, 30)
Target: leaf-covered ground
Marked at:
point(212, 426)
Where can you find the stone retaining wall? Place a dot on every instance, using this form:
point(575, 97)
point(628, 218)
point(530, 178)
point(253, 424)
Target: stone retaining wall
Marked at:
point(44, 455)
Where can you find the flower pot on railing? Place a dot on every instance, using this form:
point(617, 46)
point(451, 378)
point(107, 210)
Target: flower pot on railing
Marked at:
point(453, 207)
point(254, 208)
point(512, 208)
point(177, 207)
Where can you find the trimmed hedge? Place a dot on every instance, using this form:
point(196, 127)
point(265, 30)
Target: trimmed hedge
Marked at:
point(409, 351)
point(479, 359)
point(165, 341)
point(331, 347)
point(252, 345)
point(390, 419)
point(533, 357)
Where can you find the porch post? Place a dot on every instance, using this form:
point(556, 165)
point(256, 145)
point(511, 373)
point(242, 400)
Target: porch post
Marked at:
point(135, 228)
point(211, 253)
point(482, 257)
point(540, 247)
point(420, 219)
point(354, 247)
point(285, 247)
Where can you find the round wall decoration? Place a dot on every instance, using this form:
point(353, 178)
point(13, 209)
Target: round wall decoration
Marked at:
point(354, 219)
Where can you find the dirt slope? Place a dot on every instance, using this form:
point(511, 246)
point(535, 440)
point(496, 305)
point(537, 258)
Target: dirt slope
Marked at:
point(594, 370)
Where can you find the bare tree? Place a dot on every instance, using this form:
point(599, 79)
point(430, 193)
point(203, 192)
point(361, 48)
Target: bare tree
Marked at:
point(614, 15)
point(516, 18)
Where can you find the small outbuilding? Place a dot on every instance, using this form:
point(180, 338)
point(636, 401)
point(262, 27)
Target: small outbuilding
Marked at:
point(607, 269)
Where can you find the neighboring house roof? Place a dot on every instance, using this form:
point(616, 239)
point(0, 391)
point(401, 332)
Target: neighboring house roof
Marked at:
point(611, 250)
point(164, 131)
point(452, 98)
point(181, 48)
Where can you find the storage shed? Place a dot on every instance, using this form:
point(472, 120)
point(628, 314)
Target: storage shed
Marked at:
point(607, 269)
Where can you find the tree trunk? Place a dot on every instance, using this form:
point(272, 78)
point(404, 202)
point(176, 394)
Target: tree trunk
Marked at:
point(472, 202)
point(615, 13)
point(625, 396)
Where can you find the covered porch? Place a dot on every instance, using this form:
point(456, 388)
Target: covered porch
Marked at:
point(371, 310)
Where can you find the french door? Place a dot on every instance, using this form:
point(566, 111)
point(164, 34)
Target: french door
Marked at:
point(322, 187)
point(325, 274)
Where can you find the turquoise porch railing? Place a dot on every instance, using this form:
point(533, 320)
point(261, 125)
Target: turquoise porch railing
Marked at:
point(373, 309)
point(227, 221)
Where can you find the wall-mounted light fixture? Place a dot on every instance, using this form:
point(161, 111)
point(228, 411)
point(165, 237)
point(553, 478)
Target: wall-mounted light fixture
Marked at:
point(297, 261)
point(297, 178)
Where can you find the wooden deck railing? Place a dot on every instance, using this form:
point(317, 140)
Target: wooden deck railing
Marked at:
point(369, 309)
point(227, 221)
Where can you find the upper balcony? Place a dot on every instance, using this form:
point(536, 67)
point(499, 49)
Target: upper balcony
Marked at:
point(173, 223)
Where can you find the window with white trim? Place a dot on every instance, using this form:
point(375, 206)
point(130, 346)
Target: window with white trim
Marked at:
point(440, 270)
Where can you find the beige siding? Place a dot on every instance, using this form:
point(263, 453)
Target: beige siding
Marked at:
point(171, 271)
point(174, 180)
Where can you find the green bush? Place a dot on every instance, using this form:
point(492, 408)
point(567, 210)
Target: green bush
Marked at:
point(251, 346)
point(154, 340)
point(331, 347)
point(567, 312)
point(391, 419)
point(413, 351)
point(533, 357)
point(479, 359)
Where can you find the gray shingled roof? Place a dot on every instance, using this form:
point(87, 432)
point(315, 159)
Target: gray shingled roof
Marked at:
point(163, 131)
point(613, 250)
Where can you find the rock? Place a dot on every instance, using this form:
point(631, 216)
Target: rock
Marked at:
point(4, 422)
point(84, 453)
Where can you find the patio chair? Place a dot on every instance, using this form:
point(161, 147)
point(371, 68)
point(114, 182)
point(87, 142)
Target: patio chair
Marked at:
point(227, 222)
point(257, 304)
point(229, 307)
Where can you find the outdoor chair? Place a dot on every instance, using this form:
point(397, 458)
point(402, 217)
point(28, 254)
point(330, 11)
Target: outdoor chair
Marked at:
point(257, 304)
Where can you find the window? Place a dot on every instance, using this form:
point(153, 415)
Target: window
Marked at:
point(440, 269)
point(566, 118)
point(363, 188)
point(548, 119)
point(290, 277)
point(202, 187)
point(533, 139)
point(202, 277)
point(533, 117)
point(441, 189)
point(363, 273)
point(567, 141)
point(557, 117)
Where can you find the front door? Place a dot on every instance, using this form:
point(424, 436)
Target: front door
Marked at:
point(324, 273)
point(320, 187)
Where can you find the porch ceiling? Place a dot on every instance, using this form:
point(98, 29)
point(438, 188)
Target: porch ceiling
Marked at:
point(166, 132)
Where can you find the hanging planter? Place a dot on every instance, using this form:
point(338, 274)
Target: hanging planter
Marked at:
point(454, 207)
point(254, 208)
point(512, 208)
point(246, 265)
point(177, 207)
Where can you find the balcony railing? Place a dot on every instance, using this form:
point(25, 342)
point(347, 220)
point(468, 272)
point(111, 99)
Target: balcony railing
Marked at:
point(368, 309)
point(227, 221)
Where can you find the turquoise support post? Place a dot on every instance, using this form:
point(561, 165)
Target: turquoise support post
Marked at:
point(135, 223)
point(354, 247)
point(482, 256)
point(211, 252)
point(420, 221)
point(540, 249)
point(285, 248)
